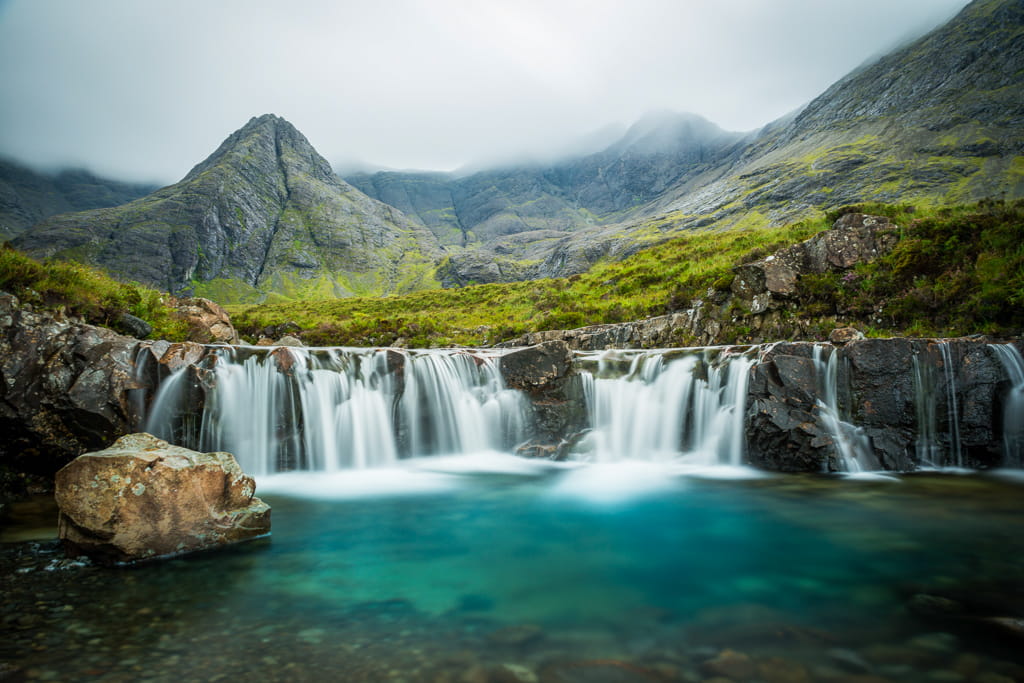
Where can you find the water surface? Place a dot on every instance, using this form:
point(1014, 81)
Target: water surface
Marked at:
point(450, 568)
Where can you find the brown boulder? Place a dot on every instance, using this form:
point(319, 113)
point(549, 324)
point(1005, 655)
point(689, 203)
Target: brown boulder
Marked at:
point(143, 499)
point(208, 323)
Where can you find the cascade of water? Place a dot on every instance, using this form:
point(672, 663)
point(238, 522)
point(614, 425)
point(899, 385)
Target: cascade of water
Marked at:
point(852, 444)
point(952, 409)
point(1013, 407)
point(926, 395)
point(664, 410)
point(330, 409)
point(927, 444)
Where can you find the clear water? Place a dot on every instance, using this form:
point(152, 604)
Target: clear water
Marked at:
point(448, 567)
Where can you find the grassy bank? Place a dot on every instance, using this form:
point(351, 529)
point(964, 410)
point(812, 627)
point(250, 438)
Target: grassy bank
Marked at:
point(86, 292)
point(956, 270)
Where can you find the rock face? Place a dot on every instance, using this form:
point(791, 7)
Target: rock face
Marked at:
point(27, 197)
point(854, 238)
point(65, 388)
point(264, 211)
point(143, 499)
point(758, 295)
point(885, 389)
point(545, 374)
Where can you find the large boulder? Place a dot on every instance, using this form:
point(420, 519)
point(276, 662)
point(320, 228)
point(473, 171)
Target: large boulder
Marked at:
point(143, 499)
point(854, 238)
point(208, 323)
point(545, 373)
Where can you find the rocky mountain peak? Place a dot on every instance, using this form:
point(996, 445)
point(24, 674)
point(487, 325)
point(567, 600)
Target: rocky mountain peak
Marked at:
point(266, 142)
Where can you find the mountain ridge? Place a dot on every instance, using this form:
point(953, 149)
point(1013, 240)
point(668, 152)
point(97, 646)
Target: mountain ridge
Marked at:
point(936, 121)
point(262, 213)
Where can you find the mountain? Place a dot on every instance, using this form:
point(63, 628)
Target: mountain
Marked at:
point(27, 196)
point(263, 214)
point(939, 121)
point(936, 122)
point(498, 223)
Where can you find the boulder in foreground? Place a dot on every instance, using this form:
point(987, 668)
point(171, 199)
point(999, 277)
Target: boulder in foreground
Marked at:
point(143, 499)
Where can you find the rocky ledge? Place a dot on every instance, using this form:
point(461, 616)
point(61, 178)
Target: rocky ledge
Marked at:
point(143, 499)
point(761, 298)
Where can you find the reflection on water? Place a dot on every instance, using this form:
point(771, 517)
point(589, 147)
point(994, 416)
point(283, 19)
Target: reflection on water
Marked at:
point(487, 567)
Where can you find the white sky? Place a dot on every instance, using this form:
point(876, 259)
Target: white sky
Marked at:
point(143, 90)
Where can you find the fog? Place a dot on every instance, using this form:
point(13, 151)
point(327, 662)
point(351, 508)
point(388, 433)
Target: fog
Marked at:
point(145, 90)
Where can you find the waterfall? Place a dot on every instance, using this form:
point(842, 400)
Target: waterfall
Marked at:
point(952, 409)
point(852, 445)
point(1013, 406)
point(927, 444)
point(331, 409)
point(688, 408)
point(926, 395)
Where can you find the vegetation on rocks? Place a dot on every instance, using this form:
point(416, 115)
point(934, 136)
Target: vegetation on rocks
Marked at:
point(86, 292)
point(956, 270)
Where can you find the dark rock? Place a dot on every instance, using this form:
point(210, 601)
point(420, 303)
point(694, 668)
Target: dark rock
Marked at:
point(143, 499)
point(64, 388)
point(539, 368)
point(597, 671)
point(737, 666)
point(517, 635)
point(135, 327)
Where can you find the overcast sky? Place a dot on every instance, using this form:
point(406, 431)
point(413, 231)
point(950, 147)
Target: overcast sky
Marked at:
point(144, 90)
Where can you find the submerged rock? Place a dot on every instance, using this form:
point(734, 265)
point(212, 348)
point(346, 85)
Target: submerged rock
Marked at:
point(143, 498)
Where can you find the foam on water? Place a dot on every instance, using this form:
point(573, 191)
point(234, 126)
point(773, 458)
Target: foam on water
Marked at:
point(364, 483)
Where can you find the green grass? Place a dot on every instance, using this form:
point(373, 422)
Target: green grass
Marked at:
point(86, 292)
point(652, 282)
point(955, 271)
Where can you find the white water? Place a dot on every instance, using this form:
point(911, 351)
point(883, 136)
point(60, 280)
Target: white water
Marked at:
point(927, 394)
point(853, 448)
point(1013, 406)
point(665, 410)
point(952, 409)
point(334, 409)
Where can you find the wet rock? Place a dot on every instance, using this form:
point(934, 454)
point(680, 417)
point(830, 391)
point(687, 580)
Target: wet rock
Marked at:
point(208, 322)
point(181, 354)
point(143, 498)
point(63, 388)
point(537, 368)
point(289, 340)
point(512, 673)
point(934, 606)
point(935, 643)
point(513, 636)
point(849, 660)
point(597, 671)
point(779, 670)
point(545, 373)
point(135, 326)
point(729, 664)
